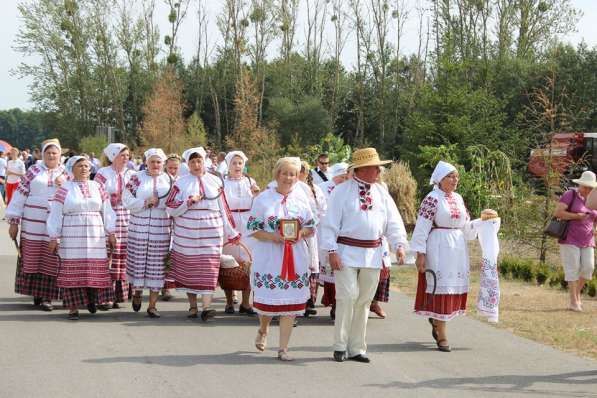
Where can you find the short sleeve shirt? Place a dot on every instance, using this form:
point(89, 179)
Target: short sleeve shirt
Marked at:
point(580, 232)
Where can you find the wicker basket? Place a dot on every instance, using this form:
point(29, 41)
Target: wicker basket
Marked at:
point(237, 278)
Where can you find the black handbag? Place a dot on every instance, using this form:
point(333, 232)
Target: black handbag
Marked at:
point(558, 228)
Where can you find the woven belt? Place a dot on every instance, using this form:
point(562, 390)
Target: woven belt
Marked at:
point(240, 210)
point(435, 227)
point(359, 242)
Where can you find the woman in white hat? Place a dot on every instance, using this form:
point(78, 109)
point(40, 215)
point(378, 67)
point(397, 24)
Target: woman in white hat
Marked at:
point(29, 209)
point(80, 223)
point(240, 190)
point(113, 179)
point(443, 226)
point(577, 249)
point(200, 227)
point(149, 229)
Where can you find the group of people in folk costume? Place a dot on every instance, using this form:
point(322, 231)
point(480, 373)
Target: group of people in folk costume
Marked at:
point(98, 243)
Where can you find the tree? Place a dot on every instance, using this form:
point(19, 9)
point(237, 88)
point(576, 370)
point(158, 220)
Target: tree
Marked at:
point(163, 125)
point(197, 136)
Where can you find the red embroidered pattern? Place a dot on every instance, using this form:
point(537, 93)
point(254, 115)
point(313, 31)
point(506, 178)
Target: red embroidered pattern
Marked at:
point(60, 195)
point(103, 194)
point(133, 184)
point(428, 208)
point(454, 210)
point(171, 201)
point(84, 189)
point(366, 202)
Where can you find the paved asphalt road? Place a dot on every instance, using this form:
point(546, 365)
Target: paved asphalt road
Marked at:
point(125, 354)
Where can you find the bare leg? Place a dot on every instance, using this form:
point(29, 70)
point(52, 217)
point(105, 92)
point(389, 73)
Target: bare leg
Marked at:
point(192, 300)
point(572, 288)
point(229, 298)
point(153, 298)
point(246, 302)
point(441, 331)
point(579, 286)
point(264, 322)
point(206, 301)
point(286, 326)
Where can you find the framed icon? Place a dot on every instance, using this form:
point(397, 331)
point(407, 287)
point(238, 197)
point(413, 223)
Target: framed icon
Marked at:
point(290, 229)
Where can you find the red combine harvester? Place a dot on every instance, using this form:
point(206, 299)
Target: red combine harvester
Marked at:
point(570, 153)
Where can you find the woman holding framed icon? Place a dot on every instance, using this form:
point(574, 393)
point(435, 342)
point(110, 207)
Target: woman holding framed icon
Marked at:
point(280, 219)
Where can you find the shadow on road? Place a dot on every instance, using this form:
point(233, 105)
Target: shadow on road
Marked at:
point(232, 358)
point(505, 384)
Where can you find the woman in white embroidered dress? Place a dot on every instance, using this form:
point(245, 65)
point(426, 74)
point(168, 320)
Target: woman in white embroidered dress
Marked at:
point(29, 208)
point(442, 229)
point(200, 225)
point(80, 220)
point(113, 179)
point(149, 229)
point(280, 272)
point(240, 190)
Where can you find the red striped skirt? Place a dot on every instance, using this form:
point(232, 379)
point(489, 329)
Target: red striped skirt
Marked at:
point(329, 294)
point(197, 238)
point(443, 307)
point(118, 259)
point(37, 258)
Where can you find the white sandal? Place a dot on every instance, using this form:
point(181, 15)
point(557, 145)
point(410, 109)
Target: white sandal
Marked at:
point(260, 341)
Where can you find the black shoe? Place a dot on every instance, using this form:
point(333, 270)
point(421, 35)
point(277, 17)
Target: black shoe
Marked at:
point(47, 306)
point(333, 313)
point(230, 309)
point(104, 307)
point(339, 356)
point(296, 323)
point(207, 314)
point(37, 300)
point(137, 301)
point(115, 305)
point(247, 311)
point(309, 312)
point(360, 358)
point(73, 316)
point(310, 304)
point(91, 307)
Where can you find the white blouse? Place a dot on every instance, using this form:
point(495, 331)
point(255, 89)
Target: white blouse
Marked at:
point(143, 186)
point(346, 217)
point(80, 197)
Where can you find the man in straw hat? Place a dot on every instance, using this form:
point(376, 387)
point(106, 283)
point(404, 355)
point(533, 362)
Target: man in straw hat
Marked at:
point(360, 212)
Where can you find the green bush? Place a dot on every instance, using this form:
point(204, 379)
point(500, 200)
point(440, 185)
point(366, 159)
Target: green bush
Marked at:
point(527, 271)
point(591, 287)
point(542, 274)
point(505, 267)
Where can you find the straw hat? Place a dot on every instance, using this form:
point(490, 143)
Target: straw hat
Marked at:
point(587, 179)
point(366, 157)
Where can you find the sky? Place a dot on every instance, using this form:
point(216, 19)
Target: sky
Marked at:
point(14, 91)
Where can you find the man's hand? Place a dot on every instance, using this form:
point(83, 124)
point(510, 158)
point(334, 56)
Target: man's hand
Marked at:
point(400, 255)
point(151, 202)
point(335, 261)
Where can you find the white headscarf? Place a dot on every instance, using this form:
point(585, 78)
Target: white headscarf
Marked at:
point(50, 143)
point(199, 150)
point(338, 169)
point(71, 163)
point(441, 170)
point(232, 154)
point(112, 150)
point(155, 152)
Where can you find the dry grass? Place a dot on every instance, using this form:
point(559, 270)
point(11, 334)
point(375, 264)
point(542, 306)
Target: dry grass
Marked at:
point(535, 312)
point(403, 188)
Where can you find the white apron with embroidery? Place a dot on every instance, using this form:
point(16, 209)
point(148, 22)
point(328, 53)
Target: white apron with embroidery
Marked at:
point(489, 291)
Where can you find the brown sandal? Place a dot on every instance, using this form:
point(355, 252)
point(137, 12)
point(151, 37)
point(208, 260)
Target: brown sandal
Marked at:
point(193, 313)
point(260, 341)
point(433, 329)
point(443, 348)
